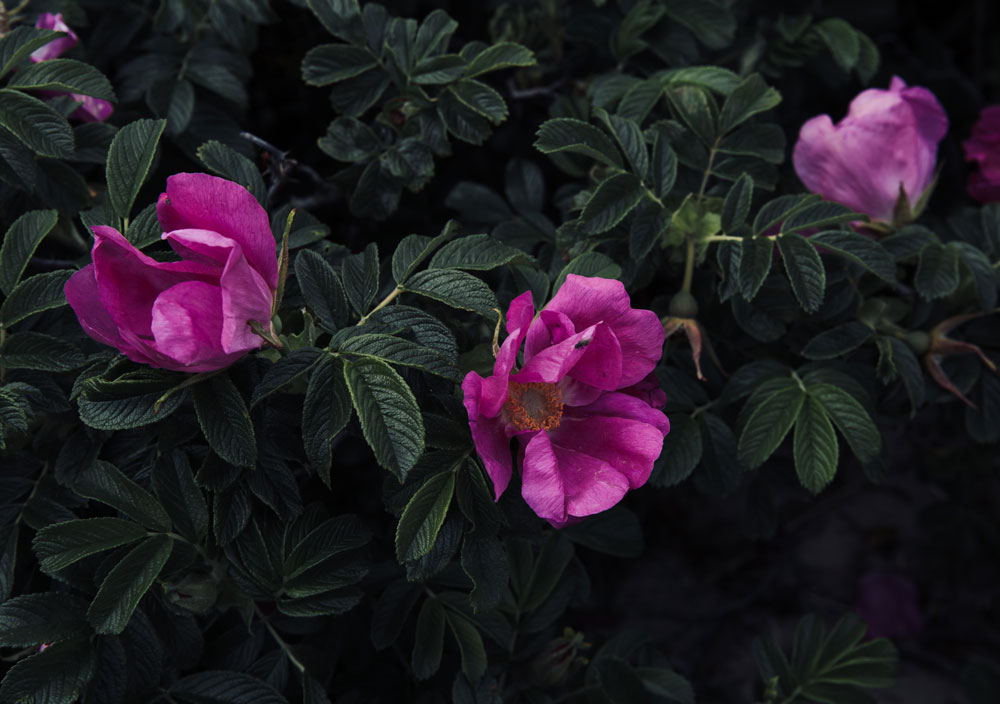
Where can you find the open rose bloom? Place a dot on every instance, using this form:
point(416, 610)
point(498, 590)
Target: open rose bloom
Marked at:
point(983, 148)
point(191, 315)
point(582, 405)
point(887, 142)
point(91, 109)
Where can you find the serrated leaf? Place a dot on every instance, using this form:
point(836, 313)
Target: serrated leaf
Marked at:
point(61, 544)
point(128, 404)
point(66, 75)
point(412, 251)
point(470, 646)
point(400, 351)
point(697, 109)
point(391, 612)
point(805, 270)
point(750, 97)
point(588, 264)
point(332, 63)
point(481, 98)
point(423, 517)
point(34, 295)
point(614, 198)
point(814, 446)
point(816, 215)
point(499, 56)
point(860, 250)
point(126, 583)
point(911, 373)
point(631, 141)
point(322, 289)
point(778, 209)
point(104, 482)
point(851, 419)
point(30, 620)
point(329, 538)
point(937, 271)
point(19, 244)
point(456, 289)
point(736, 206)
point(755, 264)
point(983, 274)
point(225, 420)
point(566, 134)
point(360, 274)
point(325, 412)
point(34, 350)
point(475, 252)
point(290, 368)
point(129, 160)
point(388, 413)
point(218, 687)
point(429, 642)
point(174, 484)
point(769, 423)
point(548, 568)
point(17, 44)
point(682, 448)
point(837, 341)
point(663, 166)
point(230, 164)
point(55, 675)
point(485, 563)
point(37, 125)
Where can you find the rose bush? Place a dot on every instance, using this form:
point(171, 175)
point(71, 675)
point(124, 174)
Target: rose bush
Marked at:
point(91, 109)
point(192, 315)
point(883, 150)
point(579, 405)
point(983, 149)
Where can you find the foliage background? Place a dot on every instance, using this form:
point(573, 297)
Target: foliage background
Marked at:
point(682, 579)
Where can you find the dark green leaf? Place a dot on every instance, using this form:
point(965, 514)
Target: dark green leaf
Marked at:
point(360, 274)
point(499, 56)
point(552, 561)
point(429, 641)
point(64, 75)
point(129, 160)
point(982, 272)
point(815, 446)
point(103, 482)
point(470, 646)
point(566, 134)
point(485, 563)
point(341, 18)
point(388, 413)
point(611, 202)
point(391, 611)
point(805, 270)
point(682, 448)
point(62, 544)
point(750, 97)
point(400, 351)
point(769, 422)
point(34, 295)
point(755, 264)
point(663, 166)
point(666, 683)
point(30, 620)
point(56, 675)
point(290, 368)
point(322, 289)
point(17, 44)
point(129, 404)
point(614, 532)
point(225, 420)
point(126, 583)
point(33, 350)
point(348, 139)
point(851, 419)
point(412, 251)
point(860, 250)
point(325, 412)
point(423, 516)
point(230, 164)
point(714, 24)
point(588, 264)
point(36, 124)
point(736, 206)
point(476, 252)
point(218, 687)
point(173, 482)
point(837, 341)
point(456, 289)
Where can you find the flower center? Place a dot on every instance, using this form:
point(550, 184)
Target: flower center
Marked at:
point(533, 406)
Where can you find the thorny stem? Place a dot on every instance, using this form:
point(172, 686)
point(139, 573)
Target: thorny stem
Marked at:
point(285, 648)
point(385, 301)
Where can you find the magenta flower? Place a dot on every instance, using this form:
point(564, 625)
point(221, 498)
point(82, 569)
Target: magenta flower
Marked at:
point(888, 603)
point(983, 147)
point(580, 403)
point(91, 109)
point(192, 315)
point(887, 142)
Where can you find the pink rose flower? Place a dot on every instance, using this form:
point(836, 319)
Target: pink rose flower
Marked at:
point(887, 141)
point(888, 603)
point(191, 315)
point(580, 403)
point(91, 109)
point(983, 147)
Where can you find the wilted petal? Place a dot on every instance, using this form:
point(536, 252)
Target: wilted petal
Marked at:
point(201, 201)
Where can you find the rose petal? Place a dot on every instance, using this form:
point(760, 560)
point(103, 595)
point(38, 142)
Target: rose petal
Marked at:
point(91, 109)
point(541, 482)
point(629, 447)
point(56, 47)
point(551, 364)
point(201, 201)
point(623, 405)
point(187, 327)
point(488, 435)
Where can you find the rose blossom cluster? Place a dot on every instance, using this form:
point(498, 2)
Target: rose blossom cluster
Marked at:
point(193, 315)
point(91, 109)
point(583, 404)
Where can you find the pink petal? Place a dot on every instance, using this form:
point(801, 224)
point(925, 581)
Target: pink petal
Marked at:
point(494, 388)
point(201, 201)
point(57, 47)
point(187, 327)
point(888, 138)
point(488, 435)
point(589, 300)
point(84, 298)
point(623, 405)
point(551, 364)
point(245, 295)
point(91, 109)
point(627, 446)
point(552, 327)
point(541, 482)
point(129, 281)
